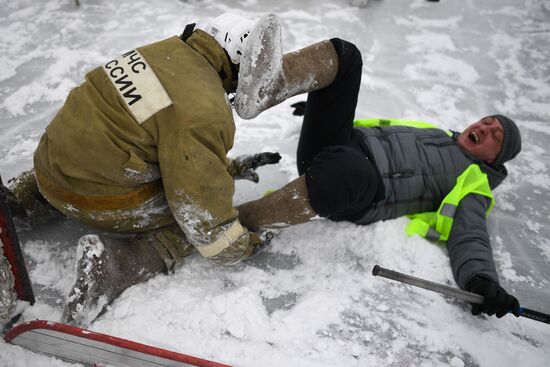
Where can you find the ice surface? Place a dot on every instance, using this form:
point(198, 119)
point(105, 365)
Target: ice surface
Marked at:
point(310, 300)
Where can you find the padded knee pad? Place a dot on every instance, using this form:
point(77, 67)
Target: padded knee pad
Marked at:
point(341, 183)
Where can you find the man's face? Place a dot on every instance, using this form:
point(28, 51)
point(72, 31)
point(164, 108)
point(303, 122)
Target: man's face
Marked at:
point(483, 139)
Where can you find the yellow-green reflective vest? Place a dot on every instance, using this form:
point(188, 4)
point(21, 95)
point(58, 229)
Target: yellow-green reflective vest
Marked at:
point(437, 225)
point(395, 122)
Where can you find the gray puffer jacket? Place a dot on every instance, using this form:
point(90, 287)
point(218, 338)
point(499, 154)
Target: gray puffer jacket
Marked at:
point(419, 167)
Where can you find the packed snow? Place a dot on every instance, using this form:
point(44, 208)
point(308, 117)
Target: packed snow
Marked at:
point(310, 299)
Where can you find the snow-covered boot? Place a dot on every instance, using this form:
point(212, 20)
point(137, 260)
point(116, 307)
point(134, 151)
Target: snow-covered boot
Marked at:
point(105, 268)
point(285, 207)
point(7, 289)
point(267, 78)
point(230, 30)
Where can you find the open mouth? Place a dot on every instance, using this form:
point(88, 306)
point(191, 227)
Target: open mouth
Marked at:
point(474, 137)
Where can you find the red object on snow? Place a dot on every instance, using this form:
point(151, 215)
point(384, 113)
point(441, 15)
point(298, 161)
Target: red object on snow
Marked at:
point(73, 344)
point(12, 250)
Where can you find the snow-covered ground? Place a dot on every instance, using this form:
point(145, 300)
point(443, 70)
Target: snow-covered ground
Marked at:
point(311, 299)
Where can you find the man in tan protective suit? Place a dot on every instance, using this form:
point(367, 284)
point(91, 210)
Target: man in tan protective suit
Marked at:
point(140, 147)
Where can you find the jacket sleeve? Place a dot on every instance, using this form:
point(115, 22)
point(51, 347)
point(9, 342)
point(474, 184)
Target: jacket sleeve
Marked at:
point(469, 246)
point(199, 191)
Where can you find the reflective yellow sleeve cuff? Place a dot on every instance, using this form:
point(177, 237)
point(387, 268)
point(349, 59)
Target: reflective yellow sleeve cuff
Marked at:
point(227, 237)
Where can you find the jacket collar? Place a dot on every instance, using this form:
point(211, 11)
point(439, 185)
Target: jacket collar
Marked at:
point(211, 50)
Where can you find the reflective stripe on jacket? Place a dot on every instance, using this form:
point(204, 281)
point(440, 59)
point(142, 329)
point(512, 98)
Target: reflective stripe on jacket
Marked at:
point(437, 225)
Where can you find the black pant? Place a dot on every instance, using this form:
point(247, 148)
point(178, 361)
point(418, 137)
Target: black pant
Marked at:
point(330, 111)
point(342, 182)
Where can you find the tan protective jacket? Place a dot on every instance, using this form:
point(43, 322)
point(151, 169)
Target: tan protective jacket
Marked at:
point(156, 119)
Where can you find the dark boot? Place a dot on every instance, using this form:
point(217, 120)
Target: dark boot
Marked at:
point(284, 207)
point(105, 268)
point(267, 77)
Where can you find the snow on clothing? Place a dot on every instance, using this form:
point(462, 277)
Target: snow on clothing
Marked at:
point(369, 174)
point(126, 169)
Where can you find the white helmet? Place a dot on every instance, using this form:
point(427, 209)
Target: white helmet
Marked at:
point(230, 30)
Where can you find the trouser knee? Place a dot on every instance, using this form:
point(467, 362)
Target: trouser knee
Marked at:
point(341, 183)
point(349, 58)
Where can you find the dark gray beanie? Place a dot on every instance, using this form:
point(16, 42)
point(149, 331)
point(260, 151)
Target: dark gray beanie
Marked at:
point(511, 145)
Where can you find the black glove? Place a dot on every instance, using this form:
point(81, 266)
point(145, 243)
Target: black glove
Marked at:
point(244, 166)
point(299, 108)
point(497, 300)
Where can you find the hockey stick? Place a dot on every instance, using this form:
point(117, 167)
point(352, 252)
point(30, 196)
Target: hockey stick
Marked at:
point(450, 291)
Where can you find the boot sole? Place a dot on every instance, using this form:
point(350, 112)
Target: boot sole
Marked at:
point(261, 67)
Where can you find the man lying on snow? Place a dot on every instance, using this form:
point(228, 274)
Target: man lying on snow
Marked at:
point(379, 169)
point(140, 147)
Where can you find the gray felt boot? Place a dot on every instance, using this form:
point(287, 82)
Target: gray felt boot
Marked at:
point(287, 206)
point(267, 78)
point(105, 268)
